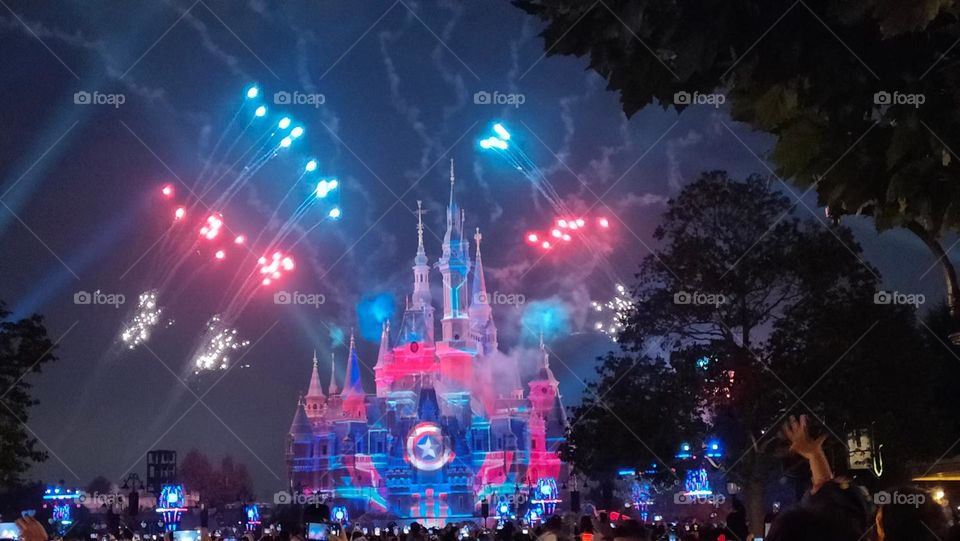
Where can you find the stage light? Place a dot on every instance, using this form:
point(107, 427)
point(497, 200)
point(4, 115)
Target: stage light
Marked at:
point(285, 142)
point(604, 222)
point(253, 92)
point(332, 184)
point(546, 245)
point(167, 190)
point(240, 239)
point(498, 143)
point(566, 237)
point(180, 213)
point(556, 233)
point(532, 237)
point(335, 212)
point(311, 166)
point(284, 123)
point(501, 131)
point(485, 144)
point(296, 132)
point(562, 223)
point(580, 222)
point(220, 254)
point(262, 110)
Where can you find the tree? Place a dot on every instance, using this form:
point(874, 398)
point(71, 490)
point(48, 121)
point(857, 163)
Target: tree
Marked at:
point(24, 350)
point(620, 421)
point(860, 96)
point(196, 472)
point(100, 485)
point(754, 329)
point(228, 484)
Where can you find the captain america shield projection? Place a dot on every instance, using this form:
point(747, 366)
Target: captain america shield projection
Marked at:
point(425, 447)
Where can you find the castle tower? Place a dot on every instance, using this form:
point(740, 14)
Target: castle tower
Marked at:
point(382, 370)
point(334, 400)
point(482, 329)
point(316, 401)
point(299, 440)
point(354, 398)
point(545, 400)
point(454, 267)
point(418, 319)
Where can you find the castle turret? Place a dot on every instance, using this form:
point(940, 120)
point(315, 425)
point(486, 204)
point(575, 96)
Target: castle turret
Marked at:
point(418, 319)
point(315, 399)
point(354, 399)
point(334, 400)
point(545, 399)
point(482, 329)
point(454, 266)
point(382, 369)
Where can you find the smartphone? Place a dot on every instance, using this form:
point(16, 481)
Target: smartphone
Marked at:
point(9, 530)
point(317, 531)
point(376, 531)
point(28, 513)
point(186, 535)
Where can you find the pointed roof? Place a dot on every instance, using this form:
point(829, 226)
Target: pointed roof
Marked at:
point(479, 293)
point(351, 382)
point(545, 373)
point(315, 390)
point(454, 217)
point(421, 258)
point(300, 425)
point(384, 345)
point(332, 389)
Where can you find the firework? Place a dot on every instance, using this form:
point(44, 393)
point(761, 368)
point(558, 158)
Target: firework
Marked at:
point(219, 342)
point(560, 231)
point(146, 317)
point(612, 314)
point(274, 267)
point(212, 226)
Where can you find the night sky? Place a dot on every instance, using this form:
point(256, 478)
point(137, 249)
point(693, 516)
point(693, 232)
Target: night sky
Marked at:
point(79, 187)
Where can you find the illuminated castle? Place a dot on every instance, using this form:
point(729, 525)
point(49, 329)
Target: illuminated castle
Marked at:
point(436, 437)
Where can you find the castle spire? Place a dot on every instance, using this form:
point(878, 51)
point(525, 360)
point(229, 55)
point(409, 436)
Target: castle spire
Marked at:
point(351, 382)
point(315, 390)
point(481, 314)
point(420, 250)
point(384, 345)
point(332, 389)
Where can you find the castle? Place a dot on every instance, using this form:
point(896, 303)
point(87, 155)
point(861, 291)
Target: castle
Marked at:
point(436, 438)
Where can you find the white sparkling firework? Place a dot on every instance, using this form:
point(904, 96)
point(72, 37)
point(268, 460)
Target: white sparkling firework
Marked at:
point(147, 316)
point(218, 343)
point(611, 315)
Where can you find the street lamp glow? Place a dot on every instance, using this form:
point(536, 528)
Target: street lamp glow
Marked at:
point(296, 132)
point(501, 131)
point(311, 166)
point(262, 110)
point(284, 123)
point(253, 92)
point(285, 142)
